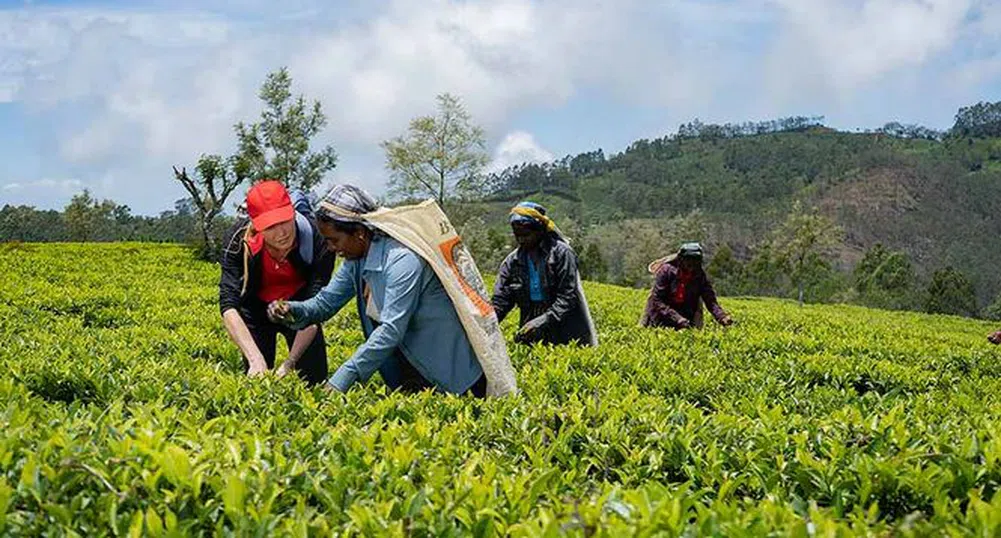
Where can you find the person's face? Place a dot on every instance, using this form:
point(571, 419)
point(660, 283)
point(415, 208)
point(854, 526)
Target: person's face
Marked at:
point(281, 236)
point(350, 246)
point(690, 264)
point(527, 237)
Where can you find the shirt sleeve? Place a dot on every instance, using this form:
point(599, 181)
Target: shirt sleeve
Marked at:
point(503, 298)
point(564, 285)
point(231, 264)
point(709, 298)
point(330, 299)
point(403, 275)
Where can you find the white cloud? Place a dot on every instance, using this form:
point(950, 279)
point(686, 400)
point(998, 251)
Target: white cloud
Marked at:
point(134, 92)
point(499, 56)
point(126, 93)
point(517, 148)
point(840, 46)
point(61, 186)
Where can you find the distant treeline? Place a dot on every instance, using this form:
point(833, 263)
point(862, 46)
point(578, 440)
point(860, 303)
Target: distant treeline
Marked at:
point(88, 219)
point(918, 208)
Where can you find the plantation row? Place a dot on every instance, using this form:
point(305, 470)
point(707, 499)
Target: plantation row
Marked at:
point(124, 410)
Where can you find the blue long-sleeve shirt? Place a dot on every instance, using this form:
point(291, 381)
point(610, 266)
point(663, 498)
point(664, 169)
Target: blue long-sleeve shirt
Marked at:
point(416, 317)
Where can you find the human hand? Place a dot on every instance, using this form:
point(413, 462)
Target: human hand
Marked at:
point(279, 311)
point(534, 325)
point(285, 368)
point(530, 329)
point(257, 368)
point(726, 320)
point(684, 323)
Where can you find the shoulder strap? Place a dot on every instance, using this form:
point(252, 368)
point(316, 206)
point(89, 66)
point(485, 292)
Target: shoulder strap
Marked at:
point(304, 235)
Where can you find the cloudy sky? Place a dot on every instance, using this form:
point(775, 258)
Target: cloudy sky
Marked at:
point(107, 95)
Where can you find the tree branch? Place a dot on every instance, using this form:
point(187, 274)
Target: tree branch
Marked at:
point(413, 173)
point(182, 176)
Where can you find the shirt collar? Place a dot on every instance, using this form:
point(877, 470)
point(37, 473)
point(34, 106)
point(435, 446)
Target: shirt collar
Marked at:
point(374, 260)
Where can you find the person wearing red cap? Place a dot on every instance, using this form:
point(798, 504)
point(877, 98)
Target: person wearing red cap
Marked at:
point(275, 254)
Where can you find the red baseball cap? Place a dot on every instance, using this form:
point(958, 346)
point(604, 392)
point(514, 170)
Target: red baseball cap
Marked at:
point(268, 204)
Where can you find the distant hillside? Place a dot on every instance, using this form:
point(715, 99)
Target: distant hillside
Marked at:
point(935, 196)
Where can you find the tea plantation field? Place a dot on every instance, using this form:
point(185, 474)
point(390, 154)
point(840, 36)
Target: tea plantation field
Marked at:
point(124, 411)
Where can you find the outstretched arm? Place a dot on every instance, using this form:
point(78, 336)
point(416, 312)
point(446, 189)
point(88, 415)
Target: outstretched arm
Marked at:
point(403, 288)
point(241, 336)
point(326, 303)
point(712, 303)
point(503, 299)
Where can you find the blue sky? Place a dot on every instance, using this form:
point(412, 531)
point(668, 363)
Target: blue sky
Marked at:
point(107, 95)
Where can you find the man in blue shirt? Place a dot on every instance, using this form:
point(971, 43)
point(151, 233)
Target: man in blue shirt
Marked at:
point(414, 337)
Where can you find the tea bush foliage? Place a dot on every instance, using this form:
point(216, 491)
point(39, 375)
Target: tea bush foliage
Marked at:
point(124, 412)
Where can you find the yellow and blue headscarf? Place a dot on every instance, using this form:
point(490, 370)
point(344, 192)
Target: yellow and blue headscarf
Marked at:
point(532, 214)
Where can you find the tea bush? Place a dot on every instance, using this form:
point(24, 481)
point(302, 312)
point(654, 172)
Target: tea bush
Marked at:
point(124, 411)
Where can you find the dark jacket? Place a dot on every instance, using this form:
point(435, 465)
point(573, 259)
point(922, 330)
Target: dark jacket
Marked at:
point(661, 309)
point(241, 264)
point(566, 316)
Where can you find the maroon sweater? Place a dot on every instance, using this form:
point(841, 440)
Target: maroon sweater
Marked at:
point(663, 308)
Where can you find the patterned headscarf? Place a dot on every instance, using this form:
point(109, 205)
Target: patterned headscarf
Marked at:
point(346, 203)
point(533, 214)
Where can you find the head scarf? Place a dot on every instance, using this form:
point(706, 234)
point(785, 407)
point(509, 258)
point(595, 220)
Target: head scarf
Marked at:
point(533, 214)
point(347, 203)
point(690, 250)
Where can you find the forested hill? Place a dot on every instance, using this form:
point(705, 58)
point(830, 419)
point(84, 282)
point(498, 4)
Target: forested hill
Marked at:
point(933, 197)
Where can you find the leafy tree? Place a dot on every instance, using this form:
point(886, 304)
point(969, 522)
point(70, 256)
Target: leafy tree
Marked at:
point(982, 120)
point(592, 265)
point(993, 312)
point(764, 274)
point(726, 270)
point(441, 156)
point(185, 207)
point(885, 278)
point(882, 269)
point(278, 146)
point(950, 292)
point(805, 244)
point(917, 132)
point(487, 245)
point(86, 217)
point(27, 224)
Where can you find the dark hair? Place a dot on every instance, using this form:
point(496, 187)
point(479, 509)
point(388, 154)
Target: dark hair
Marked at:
point(342, 226)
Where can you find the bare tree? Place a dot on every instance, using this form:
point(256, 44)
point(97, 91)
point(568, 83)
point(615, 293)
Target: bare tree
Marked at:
point(215, 179)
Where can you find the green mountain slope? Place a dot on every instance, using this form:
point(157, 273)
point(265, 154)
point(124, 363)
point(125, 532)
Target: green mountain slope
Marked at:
point(934, 199)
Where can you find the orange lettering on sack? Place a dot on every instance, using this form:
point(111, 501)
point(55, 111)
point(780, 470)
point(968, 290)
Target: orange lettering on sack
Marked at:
point(465, 269)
